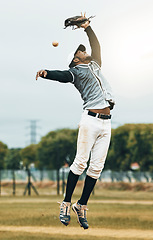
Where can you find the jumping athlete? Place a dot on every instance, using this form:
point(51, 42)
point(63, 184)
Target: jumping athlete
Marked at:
point(95, 125)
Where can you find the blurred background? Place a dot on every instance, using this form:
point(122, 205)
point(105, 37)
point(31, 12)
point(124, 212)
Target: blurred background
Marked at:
point(28, 27)
point(39, 120)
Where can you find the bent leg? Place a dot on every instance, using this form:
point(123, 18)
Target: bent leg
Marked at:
point(86, 139)
point(87, 190)
point(70, 186)
point(99, 151)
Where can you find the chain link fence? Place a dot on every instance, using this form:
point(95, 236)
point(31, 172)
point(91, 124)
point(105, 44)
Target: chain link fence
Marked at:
point(51, 175)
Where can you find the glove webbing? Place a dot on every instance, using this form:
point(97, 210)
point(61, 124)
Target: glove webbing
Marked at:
point(71, 22)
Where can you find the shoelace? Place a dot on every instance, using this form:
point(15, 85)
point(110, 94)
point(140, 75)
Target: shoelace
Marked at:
point(82, 211)
point(65, 208)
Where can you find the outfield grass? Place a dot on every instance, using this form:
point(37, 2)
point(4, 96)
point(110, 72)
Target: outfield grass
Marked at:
point(32, 236)
point(46, 213)
point(27, 236)
point(41, 214)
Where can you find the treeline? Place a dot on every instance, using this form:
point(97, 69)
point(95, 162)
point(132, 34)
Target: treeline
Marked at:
point(130, 143)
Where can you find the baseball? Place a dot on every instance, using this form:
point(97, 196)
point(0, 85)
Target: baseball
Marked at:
point(55, 43)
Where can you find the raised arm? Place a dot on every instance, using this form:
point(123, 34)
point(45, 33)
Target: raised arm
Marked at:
point(95, 46)
point(94, 43)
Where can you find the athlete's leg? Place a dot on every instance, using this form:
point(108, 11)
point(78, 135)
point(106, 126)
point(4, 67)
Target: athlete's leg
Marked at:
point(87, 135)
point(99, 150)
point(98, 157)
point(86, 138)
point(88, 187)
point(71, 183)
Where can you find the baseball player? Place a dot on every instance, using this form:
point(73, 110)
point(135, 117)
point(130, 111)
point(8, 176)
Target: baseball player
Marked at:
point(95, 125)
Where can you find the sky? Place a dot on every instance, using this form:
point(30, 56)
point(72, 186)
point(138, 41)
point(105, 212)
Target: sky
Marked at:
point(28, 28)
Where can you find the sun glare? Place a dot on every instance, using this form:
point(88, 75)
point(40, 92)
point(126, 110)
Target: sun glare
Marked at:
point(132, 55)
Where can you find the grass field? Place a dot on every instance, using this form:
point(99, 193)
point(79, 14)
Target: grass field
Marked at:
point(112, 215)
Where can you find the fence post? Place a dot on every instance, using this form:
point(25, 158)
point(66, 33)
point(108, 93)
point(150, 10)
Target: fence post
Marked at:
point(0, 182)
point(63, 180)
point(13, 177)
point(58, 182)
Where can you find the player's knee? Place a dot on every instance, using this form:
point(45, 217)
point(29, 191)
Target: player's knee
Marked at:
point(78, 166)
point(94, 172)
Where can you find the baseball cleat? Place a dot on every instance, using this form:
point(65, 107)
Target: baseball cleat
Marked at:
point(65, 213)
point(80, 211)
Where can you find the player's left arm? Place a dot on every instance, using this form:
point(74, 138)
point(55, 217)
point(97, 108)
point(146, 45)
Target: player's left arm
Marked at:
point(95, 46)
point(94, 43)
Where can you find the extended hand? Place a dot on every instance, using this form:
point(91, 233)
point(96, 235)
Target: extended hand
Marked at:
point(86, 24)
point(41, 73)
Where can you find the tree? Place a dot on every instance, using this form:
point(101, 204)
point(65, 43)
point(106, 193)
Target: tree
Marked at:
point(12, 161)
point(3, 152)
point(143, 147)
point(55, 148)
point(131, 143)
point(118, 155)
point(28, 156)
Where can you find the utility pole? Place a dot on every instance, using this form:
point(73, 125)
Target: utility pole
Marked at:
point(33, 131)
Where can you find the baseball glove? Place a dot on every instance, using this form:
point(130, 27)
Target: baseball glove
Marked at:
point(76, 21)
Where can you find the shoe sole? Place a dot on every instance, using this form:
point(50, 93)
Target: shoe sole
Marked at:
point(73, 208)
point(65, 224)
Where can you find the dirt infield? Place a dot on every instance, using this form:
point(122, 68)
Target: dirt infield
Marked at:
point(44, 200)
point(71, 231)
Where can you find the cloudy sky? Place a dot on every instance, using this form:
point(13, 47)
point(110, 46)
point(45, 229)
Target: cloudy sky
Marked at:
point(28, 27)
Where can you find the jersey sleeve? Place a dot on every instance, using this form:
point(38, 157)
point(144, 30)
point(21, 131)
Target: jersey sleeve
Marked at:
point(94, 44)
point(60, 76)
point(73, 71)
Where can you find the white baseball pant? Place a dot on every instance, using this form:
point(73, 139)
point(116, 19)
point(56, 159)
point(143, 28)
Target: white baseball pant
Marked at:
point(93, 142)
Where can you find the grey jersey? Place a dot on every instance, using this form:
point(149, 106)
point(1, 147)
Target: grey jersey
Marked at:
point(93, 87)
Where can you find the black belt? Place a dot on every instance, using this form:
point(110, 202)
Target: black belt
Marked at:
point(99, 115)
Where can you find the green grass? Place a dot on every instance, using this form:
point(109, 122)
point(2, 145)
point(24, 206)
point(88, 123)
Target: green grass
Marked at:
point(27, 236)
point(116, 216)
point(43, 211)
